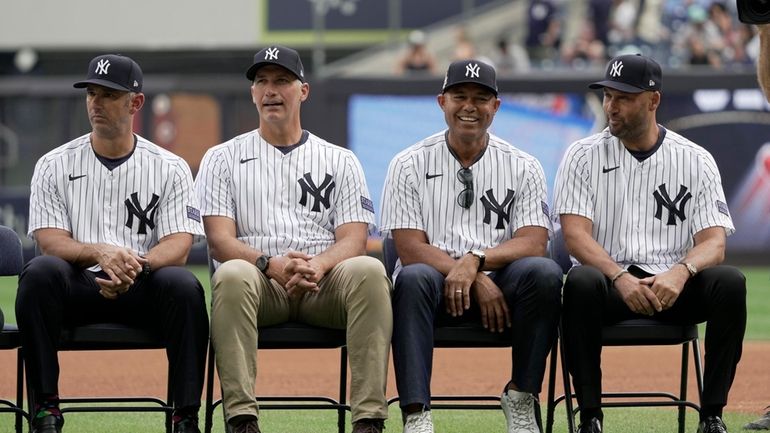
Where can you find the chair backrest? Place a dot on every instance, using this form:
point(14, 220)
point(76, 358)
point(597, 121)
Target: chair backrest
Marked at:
point(557, 250)
point(389, 255)
point(12, 258)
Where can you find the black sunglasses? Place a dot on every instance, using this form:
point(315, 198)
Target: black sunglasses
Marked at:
point(465, 198)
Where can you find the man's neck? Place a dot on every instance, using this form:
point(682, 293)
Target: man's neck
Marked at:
point(467, 151)
point(113, 148)
point(281, 137)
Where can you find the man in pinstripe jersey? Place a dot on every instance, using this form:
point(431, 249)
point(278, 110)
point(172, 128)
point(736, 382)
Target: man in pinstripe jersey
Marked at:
point(642, 209)
point(115, 217)
point(468, 216)
point(286, 214)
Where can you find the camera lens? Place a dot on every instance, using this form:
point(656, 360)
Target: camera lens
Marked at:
point(761, 7)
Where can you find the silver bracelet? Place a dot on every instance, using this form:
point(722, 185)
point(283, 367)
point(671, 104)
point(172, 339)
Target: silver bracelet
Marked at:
point(618, 275)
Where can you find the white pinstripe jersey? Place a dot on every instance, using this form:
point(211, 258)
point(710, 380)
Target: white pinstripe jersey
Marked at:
point(283, 202)
point(147, 197)
point(421, 191)
point(643, 213)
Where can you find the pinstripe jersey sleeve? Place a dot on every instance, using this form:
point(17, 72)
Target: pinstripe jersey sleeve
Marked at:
point(573, 193)
point(179, 212)
point(710, 209)
point(47, 208)
point(354, 203)
point(212, 184)
point(401, 203)
point(531, 207)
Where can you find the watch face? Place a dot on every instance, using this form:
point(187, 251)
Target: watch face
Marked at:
point(262, 263)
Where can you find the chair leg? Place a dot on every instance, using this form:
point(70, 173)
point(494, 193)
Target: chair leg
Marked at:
point(343, 389)
point(698, 367)
point(20, 390)
point(551, 406)
point(169, 400)
point(567, 385)
point(683, 386)
point(209, 409)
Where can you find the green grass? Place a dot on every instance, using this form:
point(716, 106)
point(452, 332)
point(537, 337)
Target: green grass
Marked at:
point(446, 421)
point(617, 420)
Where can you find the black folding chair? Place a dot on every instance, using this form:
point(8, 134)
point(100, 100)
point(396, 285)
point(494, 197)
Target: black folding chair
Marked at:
point(636, 332)
point(11, 262)
point(113, 336)
point(460, 335)
point(290, 335)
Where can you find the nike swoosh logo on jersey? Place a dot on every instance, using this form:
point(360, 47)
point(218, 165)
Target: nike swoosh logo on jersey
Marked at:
point(432, 176)
point(607, 170)
point(245, 160)
point(71, 177)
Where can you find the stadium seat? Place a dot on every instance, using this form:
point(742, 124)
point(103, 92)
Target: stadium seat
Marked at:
point(636, 332)
point(468, 335)
point(11, 262)
point(290, 335)
point(113, 336)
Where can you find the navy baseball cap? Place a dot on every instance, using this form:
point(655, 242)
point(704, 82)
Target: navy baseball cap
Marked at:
point(113, 71)
point(277, 55)
point(470, 71)
point(631, 73)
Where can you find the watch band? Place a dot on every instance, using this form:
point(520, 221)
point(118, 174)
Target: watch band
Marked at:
point(481, 256)
point(690, 268)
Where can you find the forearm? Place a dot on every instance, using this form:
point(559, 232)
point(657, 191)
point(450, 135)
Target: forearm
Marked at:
point(427, 254)
point(59, 243)
point(707, 253)
point(527, 242)
point(588, 252)
point(172, 250)
point(342, 249)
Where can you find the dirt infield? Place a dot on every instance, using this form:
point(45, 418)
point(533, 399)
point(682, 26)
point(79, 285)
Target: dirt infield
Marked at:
point(469, 371)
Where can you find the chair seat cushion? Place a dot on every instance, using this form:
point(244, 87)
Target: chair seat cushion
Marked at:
point(109, 336)
point(647, 332)
point(295, 335)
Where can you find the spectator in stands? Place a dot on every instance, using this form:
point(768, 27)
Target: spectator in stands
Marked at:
point(417, 60)
point(509, 58)
point(543, 31)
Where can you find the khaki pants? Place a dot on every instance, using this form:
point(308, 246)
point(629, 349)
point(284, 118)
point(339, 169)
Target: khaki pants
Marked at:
point(354, 295)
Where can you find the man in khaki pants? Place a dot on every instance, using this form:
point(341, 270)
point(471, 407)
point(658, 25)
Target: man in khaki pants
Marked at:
point(286, 214)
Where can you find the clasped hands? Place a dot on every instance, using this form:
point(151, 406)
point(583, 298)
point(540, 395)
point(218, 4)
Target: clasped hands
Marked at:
point(121, 265)
point(652, 294)
point(296, 272)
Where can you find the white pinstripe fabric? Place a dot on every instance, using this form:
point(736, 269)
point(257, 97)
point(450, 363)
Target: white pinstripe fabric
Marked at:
point(412, 200)
point(73, 191)
point(622, 205)
point(256, 185)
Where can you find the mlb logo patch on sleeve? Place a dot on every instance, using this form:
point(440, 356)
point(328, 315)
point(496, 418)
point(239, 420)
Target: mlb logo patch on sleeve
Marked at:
point(722, 207)
point(367, 204)
point(193, 213)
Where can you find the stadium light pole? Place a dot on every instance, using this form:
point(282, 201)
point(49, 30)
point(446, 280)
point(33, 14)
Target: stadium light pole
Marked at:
point(320, 9)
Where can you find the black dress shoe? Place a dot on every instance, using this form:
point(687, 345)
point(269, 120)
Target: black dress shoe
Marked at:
point(47, 424)
point(712, 424)
point(187, 425)
point(593, 425)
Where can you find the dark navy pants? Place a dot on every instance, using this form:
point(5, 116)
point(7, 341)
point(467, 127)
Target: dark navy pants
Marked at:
point(531, 287)
point(54, 294)
point(715, 295)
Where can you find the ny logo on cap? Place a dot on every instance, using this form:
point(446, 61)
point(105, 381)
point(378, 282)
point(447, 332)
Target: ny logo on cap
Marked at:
point(472, 70)
point(102, 66)
point(617, 67)
point(271, 54)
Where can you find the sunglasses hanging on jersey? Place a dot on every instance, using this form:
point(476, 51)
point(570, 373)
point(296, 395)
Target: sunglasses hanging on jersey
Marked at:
point(465, 198)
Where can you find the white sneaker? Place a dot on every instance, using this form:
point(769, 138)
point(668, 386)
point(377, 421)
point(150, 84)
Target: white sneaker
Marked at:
point(418, 422)
point(522, 412)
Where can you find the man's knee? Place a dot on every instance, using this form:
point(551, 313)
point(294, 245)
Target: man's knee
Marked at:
point(370, 274)
point(39, 278)
point(729, 286)
point(416, 282)
point(179, 284)
point(233, 280)
point(582, 286)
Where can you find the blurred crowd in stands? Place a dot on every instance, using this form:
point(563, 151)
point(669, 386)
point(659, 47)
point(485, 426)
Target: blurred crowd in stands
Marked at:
point(580, 34)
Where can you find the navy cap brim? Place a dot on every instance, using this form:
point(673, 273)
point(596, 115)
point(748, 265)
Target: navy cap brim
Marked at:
point(623, 87)
point(252, 72)
point(491, 89)
point(104, 83)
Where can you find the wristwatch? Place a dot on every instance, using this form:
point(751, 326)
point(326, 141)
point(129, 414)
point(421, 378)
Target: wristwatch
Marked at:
point(480, 255)
point(690, 268)
point(263, 262)
point(146, 269)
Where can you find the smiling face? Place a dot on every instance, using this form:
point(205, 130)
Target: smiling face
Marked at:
point(277, 94)
point(110, 111)
point(468, 110)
